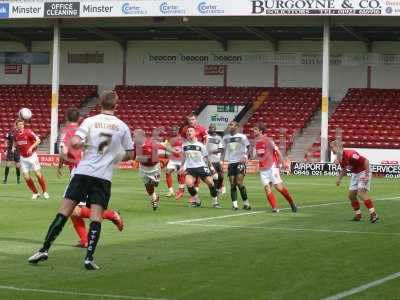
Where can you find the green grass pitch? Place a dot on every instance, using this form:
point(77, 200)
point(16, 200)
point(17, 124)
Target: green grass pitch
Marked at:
point(313, 254)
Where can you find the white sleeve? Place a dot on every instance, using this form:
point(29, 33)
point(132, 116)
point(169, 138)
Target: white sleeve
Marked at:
point(246, 141)
point(83, 130)
point(204, 151)
point(127, 142)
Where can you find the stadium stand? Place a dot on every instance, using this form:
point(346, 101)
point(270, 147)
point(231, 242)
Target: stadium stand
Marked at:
point(366, 118)
point(286, 110)
point(37, 99)
point(147, 107)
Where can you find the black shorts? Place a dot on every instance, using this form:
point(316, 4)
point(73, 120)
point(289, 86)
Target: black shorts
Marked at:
point(13, 156)
point(93, 190)
point(218, 167)
point(201, 172)
point(237, 169)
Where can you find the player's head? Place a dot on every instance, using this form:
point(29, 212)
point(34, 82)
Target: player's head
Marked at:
point(259, 129)
point(109, 100)
point(72, 115)
point(175, 130)
point(335, 147)
point(191, 119)
point(212, 129)
point(139, 136)
point(19, 124)
point(233, 127)
point(191, 133)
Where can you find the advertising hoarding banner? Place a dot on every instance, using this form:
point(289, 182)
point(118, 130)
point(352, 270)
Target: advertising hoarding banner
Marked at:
point(331, 169)
point(220, 115)
point(156, 8)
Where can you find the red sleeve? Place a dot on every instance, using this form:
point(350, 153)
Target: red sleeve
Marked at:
point(31, 135)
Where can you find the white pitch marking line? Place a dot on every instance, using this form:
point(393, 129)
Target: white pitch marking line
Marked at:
point(59, 292)
point(258, 212)
point(292, 229)
point(363, 287)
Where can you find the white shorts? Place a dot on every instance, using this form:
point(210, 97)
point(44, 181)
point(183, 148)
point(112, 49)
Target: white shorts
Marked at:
point(360, 180)
point(148, 174)
point(174, 165)
point(30, 163)
point(271, 175)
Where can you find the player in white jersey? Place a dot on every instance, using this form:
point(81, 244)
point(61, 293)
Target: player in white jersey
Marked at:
point(196, 165)
point(215, 148)
point(107, 141)
point(236, 149)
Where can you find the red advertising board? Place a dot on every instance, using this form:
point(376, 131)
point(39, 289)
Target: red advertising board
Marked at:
point(212, 70)
point(13, 69)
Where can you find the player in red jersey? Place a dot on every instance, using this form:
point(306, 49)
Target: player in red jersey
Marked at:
point(71, 157)
point(269, 159)
point(174, 164)
point(360, 182)
point(147, 154)
point(201, 131)
point(26, 141)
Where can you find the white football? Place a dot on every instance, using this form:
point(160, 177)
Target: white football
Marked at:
point(25, 114)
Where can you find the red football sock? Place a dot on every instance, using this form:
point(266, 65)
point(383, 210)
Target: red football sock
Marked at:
point(181, 179)
point(85, 212)
point(42, 183)
point(285, 193)
point(356, 205)
point(271, 199)
point(150, 189)
point(108, 214)
point(169, 180)
point(31, 185)
point(368, 203)
point(80, 229)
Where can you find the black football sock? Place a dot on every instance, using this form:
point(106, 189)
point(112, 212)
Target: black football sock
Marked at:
point(93, 238)
point(18, 172)
point(243, 193)
point(233, 194)
point(54, 230)
point(213, 191)
point(6, 171)
point(192, 191)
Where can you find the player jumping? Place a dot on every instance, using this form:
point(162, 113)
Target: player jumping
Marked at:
point(269, 158)
point(108, 141)
point(360, 181)
point(26, 141)
point(196, 165)
point(174, 164)
point(71, 158)
point(236, 148)
point(12, 157)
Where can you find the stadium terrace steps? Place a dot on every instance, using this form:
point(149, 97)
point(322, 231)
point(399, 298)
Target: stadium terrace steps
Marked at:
point(305, 145)
point(37, 99)
point(286, 110)
point(368, 118)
